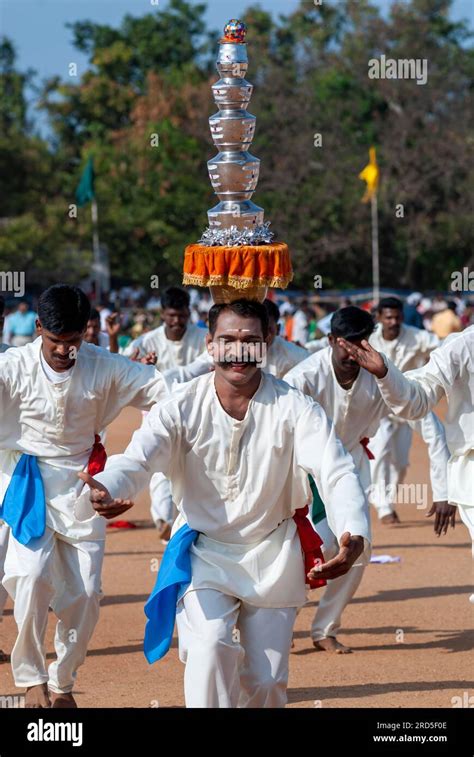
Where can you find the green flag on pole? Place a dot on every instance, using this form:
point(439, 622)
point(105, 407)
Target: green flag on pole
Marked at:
point(85, 190)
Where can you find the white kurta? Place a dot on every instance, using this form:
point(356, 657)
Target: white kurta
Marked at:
point(358, 411)
point(282, 356)
point(57, 422)
point(317, 344)
point(199, 367)
point(449, 372)
point(410, 350)
point(355, 412)
point(239, 482)
point(391, 445)
point(300, 327)
point(171, 354)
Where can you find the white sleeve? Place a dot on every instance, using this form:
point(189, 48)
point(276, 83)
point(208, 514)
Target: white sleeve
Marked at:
point(304, 380)
point(150, 451)
point(201, 365)
point(317, 344)
point(134, 344)
point(320, 452)
point(300, 329)
point(291, 357)
point(413, 394)
point(137, 385)
point(428, 341)
point(9, 384)
point(432, 431)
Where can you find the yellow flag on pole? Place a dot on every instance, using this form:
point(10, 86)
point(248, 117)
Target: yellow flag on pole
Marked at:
point(370, 175)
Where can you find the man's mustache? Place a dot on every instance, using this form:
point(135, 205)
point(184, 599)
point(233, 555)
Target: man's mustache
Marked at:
point(236, 361)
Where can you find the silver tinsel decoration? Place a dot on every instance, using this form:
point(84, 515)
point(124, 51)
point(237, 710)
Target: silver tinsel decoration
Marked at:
point(235, 237)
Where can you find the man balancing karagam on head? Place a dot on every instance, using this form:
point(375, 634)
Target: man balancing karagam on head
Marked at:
point(237, 445)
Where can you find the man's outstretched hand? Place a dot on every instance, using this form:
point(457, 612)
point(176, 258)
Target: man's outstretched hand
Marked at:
point(365, 356)
point(350, 548)
point(445, 515)
point(101, 500)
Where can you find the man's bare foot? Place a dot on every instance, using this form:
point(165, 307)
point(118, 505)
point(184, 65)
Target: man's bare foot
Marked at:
point(4, 656)
point(390, 520)
point(164, 530)
point(64, 701)
point(331, 644)
point(37, 697)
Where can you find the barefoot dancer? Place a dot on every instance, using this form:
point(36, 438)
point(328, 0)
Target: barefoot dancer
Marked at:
point(449, 373)
point(238, 446)
point(409, 348)
point(351, 399)
point(55, 395)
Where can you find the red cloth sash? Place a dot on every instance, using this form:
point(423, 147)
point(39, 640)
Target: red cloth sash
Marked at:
point(365, 442)
point(121, 524)
point(98, 457)
point(310, 544)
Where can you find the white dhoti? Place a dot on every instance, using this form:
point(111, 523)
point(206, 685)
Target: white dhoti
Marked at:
point(63, 574)
point(391, 448)
point(461, 488)
point(162, 505)
point(461, 478)
point(4, 532)
point(466, 513)
point(236, 654)
point(467, 516)
point(338, 592)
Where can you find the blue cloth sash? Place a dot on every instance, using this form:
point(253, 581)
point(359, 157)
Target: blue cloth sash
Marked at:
point(24, 503)
point(174, 576)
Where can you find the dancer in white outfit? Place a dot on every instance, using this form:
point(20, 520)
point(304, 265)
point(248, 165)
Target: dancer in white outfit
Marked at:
point(409, 348)
point(449, 373)
point(351, 399)
point(238, 446)
point(176, 343)
point(55, 396)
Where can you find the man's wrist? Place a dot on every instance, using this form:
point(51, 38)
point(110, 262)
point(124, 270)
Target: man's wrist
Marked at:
point(384, 371)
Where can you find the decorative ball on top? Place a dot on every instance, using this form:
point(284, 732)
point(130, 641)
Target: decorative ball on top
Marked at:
point(235, 31)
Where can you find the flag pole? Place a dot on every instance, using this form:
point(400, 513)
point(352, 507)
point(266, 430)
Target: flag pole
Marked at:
point(370, 175)
point(96, 249)
point(375, 250)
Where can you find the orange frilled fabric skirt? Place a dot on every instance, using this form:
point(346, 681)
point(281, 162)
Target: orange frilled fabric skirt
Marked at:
point(267, 265)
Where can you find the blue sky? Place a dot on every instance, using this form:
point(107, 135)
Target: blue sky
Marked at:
point(37, 27)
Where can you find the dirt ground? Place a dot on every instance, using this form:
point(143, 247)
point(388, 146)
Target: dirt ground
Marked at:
point(410, 623)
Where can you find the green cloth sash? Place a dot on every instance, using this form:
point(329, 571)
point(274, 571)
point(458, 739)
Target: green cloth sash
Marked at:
point(318, 512)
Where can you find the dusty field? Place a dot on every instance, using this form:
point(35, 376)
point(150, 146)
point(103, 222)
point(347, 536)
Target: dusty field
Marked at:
point(410, 623)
